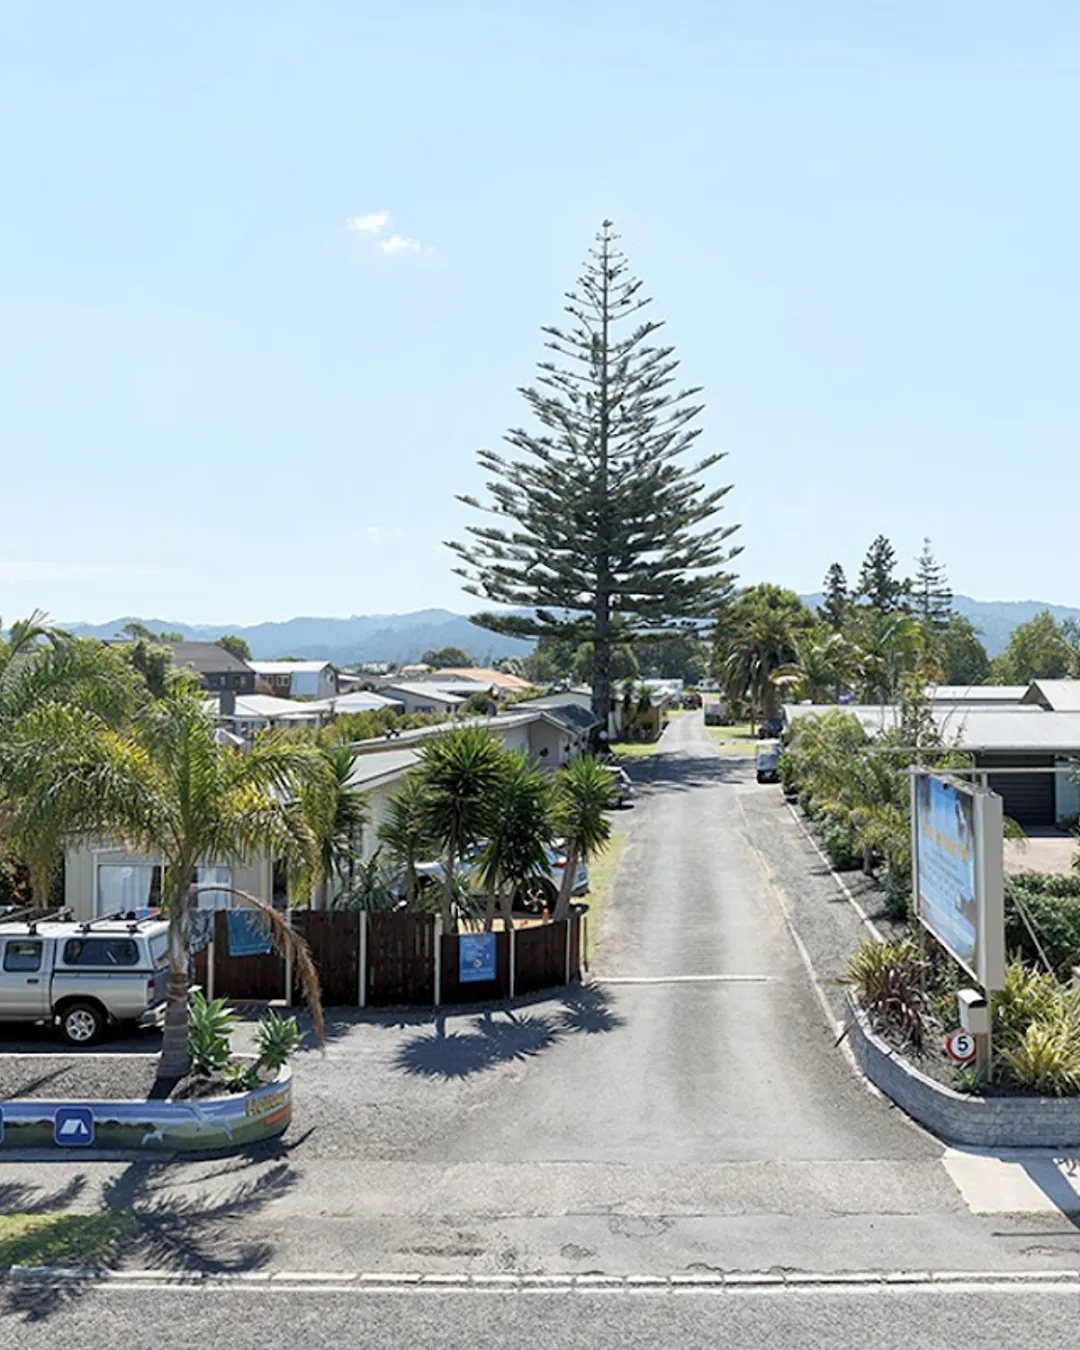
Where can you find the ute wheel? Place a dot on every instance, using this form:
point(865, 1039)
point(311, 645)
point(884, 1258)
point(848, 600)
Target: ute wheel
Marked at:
point(82, 1024)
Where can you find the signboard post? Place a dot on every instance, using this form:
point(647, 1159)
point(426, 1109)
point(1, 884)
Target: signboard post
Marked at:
point(958, 879)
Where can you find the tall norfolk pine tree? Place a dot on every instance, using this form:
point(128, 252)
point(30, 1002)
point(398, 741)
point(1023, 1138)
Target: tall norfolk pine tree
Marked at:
point(602, 531)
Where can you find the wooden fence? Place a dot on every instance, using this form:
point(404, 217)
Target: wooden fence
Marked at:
point(392, 960)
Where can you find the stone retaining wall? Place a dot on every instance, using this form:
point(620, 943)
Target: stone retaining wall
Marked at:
point(960, 1117)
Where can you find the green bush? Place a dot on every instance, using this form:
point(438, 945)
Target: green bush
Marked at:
point(890, 979)
point(277, 1039)
point(1052, 907)
point(210, 1026)
point(1046, 1058)
point(840, 845)
point(897, 895)
point(1029, 996)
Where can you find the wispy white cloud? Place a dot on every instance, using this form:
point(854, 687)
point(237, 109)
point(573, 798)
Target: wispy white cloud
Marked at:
point(379, 535)
point(373, 223)
point(400, 243)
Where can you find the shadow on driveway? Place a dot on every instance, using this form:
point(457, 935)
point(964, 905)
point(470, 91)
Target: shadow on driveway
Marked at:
point(502, 1036)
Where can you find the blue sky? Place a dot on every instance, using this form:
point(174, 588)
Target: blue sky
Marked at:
point(217, 402)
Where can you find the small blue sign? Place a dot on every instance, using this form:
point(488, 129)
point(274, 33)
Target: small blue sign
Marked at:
point(73, 1126)
point(476, 957)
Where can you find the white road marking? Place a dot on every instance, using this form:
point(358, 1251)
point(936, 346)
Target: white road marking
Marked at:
point(683, 979)
point(729, 1283)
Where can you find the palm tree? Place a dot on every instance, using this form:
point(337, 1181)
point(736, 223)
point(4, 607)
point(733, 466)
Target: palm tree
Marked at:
point(337, 813)
point(585, 793)
point(823, 664)
point(168, 788)
point(461, 771)
point(519, 829)
point(404, 830)
point(42, 667)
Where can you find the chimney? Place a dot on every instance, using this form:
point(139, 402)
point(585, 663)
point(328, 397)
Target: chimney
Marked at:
point(227, 703)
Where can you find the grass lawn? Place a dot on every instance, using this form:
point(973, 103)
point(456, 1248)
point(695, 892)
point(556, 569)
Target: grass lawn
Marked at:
point(734, 740)
point(62, 1239)
point(635, 749)
point(602, 871)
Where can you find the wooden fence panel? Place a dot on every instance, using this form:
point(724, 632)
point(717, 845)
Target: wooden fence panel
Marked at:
point(474, 991)
point(541, 957)
point(400, 960)
point(257, 978)
point(334, 939)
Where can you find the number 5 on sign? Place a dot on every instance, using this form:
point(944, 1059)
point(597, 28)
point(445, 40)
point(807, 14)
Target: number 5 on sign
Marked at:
point(961, 1046)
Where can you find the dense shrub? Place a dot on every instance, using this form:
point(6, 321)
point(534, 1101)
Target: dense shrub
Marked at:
point(840, 844)
point(1052, 907)
point(890, 979)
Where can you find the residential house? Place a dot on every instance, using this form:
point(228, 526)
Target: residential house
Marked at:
point(296, 679)
point(1007, 739)
point(219, 670)
point(498, 681)
point(419, 696)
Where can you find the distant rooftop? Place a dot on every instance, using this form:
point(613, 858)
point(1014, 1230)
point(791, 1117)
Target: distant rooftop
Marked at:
point(207, 658)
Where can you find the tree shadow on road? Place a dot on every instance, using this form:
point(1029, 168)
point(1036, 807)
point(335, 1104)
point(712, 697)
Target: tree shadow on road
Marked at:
point(502, 1036)
point(143, 1222)
point(684, 772)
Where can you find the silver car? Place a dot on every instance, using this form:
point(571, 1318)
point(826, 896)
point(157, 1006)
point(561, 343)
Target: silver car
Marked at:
point(83, 977)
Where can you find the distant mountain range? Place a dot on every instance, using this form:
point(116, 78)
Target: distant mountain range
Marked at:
point(364, 637)
point(405, 637)
point(995, 619)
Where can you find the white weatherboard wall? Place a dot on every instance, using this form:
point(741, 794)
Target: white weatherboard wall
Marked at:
point(80, 875)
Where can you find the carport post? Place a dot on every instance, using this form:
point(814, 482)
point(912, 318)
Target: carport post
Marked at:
point(210, 970)
point(513, 961)
point(438, 959)
point(361, 991)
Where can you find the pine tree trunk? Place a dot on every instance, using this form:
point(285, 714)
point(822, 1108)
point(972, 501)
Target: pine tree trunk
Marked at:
point(175, 1054)
point(602, 642)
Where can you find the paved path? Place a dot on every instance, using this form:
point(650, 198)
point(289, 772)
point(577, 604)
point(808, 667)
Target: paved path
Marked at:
point(689, 1112)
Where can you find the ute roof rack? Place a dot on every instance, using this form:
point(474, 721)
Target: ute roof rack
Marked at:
point(130, 916)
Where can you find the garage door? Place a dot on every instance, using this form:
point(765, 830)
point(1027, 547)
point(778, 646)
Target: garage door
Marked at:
point(1028, 798)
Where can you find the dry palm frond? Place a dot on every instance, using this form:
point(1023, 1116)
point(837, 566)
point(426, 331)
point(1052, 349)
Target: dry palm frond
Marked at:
point(287, 942)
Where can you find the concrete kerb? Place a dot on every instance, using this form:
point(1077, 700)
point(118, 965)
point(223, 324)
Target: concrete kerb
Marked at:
point(42, 1128)
point(1020, 1122)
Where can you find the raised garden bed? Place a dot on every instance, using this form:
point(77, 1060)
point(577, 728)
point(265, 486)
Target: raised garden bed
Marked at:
point(998, 1120)
point(68, 1103)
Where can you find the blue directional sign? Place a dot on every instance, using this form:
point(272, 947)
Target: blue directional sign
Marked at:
point(73, 1126)
point(476, 957)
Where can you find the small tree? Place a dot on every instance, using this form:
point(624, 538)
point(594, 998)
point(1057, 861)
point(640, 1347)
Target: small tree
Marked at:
point(836, 599)
point(601, 531)
point(405, 833)
point(235, 646)
point(878, 584)
point(447, 658)
point(518, 827)
point(931, 594)
point(337, 812)
point(461, 772)
point(585, 793)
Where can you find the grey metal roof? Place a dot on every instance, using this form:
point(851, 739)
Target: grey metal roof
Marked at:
point(373, 768)
point(1060, 695)
point(977, 693)
point(207, 658)
point(1023, 728)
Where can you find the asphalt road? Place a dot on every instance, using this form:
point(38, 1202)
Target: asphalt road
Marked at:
point(914, 1319)
point(688, 1112)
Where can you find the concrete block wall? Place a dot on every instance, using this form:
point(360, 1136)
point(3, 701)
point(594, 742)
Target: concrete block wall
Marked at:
point(957, 1117)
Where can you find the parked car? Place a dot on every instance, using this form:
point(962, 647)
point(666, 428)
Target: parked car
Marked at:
point(543, 893)
point(768, 761)
point(623, 784)
point(717, 712)
point(771, 729)
point(84, 977)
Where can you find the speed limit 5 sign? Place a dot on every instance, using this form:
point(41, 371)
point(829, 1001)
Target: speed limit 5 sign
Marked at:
point(960, 1046)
